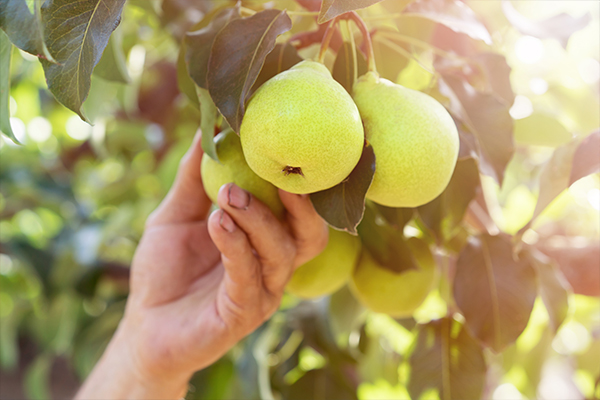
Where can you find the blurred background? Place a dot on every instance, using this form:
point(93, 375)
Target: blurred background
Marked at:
point(74, 198)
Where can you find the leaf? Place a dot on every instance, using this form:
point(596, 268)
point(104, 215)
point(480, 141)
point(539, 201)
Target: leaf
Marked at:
point(453, 14)
point(559, 27)
point(553, 286)
point(208, 112)
point(446, 358)
point(343, 68)
point(332, 8)
point(112, 66)
point(497, 75)
point(5, 57)
point(37, 377)
point(494, 291)
point(444, 214)
point(586, 160)
point(343, 205)
point(24, 26)
point(396, 217)
point(237, 57)
point(184, 81)
point(487, 118)
point(387, 245)
point(540, 129)
point(320, 384)
point(344, 312)
point(282, 58)
point(199, 44)
point(390, 57)
point(76, 33)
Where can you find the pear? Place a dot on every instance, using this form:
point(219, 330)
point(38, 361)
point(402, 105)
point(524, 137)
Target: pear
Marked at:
point(396, 294)
point(301, 131)
point(233, 168)
point(330, 270)
point(414, 139)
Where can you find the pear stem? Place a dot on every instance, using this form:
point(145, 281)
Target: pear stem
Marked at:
point(326, 40)
point(364, 30)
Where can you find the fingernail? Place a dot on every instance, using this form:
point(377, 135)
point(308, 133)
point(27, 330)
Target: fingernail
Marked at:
point(226, 222)
point(238, 197)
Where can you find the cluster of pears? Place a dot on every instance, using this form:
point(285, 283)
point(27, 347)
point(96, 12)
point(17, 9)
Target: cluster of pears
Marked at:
point(302, 132)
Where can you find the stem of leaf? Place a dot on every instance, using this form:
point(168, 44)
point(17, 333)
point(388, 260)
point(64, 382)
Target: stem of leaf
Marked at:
point(326, 40)
point(364, 30)
point(247, 11)
point(353, 46)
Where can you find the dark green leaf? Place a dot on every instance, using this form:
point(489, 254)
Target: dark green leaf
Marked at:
point(76, 33)
point(504, 288)
point(343, 68)
point(184, 81)
point(37, 378)
point(446, 358)
point(344, 312)
point(5, 57)
point(487, 117)
point(386, 244)
point(586, 160)
point(22, 22)
point(112, 66)
point(207, 125)
point(396, 217)
point(237, 56)
point(559, 27)
point(553, 286)
point(282, 58)
point(343, 205)
point(454, 14)
point(321, 384)
point(199, 44)
point(332, 8)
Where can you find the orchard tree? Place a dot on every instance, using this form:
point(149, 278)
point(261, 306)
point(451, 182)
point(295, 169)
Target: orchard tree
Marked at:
point(454, 256)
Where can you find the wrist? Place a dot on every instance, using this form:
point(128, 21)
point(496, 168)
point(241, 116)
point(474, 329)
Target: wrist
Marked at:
point(119, 375)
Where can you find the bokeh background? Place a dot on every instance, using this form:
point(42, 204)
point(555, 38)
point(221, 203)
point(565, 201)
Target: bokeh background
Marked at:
point(74, 198)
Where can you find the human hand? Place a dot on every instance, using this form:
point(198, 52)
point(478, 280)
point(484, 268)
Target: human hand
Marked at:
point(199, 285)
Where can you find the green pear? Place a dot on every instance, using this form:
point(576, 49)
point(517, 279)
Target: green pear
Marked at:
point(301, 131)
point(330, 270)
point(414, 139)
point(233, 168)
point(396, 294)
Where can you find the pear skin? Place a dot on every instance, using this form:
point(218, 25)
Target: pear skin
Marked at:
point(301, 131)
point(233, 168)
point(330, 270)
point(414, 139)
point(396, 294)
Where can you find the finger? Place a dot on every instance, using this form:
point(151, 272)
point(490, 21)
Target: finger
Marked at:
point(308, 228)
point(186, 200)
point(273, 243)
point(242, 282)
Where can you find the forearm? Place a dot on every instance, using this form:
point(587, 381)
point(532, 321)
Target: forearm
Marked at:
point(115, 377)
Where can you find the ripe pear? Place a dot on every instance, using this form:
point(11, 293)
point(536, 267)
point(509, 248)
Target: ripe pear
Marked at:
point(414, 139)
point(233, 168)
point(301, 131)
point(396, 294)
point(330, 270)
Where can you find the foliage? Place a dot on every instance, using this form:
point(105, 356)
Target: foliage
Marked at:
point(515, 234)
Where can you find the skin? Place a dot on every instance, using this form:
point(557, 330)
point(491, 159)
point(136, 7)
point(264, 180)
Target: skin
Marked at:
point(302, 118)
point(201, 283)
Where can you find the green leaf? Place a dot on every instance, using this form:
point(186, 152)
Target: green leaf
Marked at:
point(76, 33)
point(282, 58)
point(387, 245)
point(112, 66)
point(184, 81)
point(503, 285)
point(486, 116)
point(343, 205)
point(453, 14)
point(446, 358)
point(332, 8)
point(208, 110)
point(22, 22)
point(343, 68)
point(5, 57)
point(37, 377)
point(200, 42)
point(540, 129)
point(559, 27)
point(236, 58)
point(396, 217)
